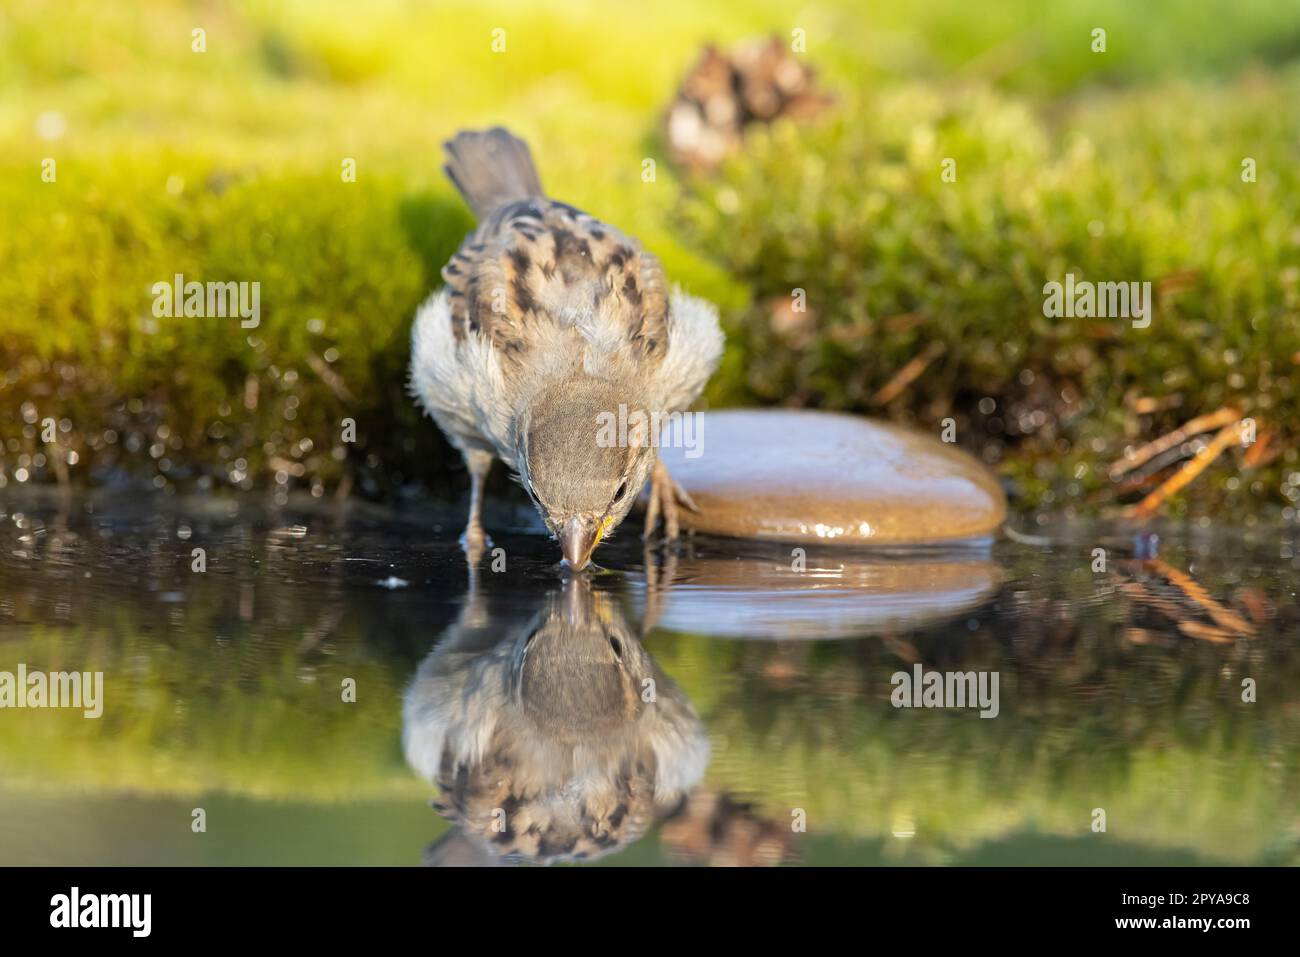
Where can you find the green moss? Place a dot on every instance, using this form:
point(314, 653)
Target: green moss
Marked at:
point(894, 261)
point(225, 165)
point(341, 269)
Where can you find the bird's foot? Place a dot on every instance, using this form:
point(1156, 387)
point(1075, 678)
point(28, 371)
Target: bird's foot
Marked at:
point(668, 498)
point(475, 541)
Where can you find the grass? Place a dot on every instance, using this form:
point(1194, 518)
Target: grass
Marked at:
point(226, 165)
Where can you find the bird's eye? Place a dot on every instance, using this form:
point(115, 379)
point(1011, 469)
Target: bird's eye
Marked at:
point(622, 490)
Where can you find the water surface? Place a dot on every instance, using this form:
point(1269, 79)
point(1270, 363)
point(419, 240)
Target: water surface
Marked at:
point(729, 703)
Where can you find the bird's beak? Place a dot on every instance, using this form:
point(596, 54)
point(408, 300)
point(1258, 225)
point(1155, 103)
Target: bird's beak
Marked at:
point(577, 542)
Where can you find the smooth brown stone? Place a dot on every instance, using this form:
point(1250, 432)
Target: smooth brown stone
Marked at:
point(807, 476)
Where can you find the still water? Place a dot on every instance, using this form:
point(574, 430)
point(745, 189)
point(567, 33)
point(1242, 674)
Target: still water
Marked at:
point(338, 687)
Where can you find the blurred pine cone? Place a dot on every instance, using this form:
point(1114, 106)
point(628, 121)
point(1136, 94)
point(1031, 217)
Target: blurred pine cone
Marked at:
point(758, 82)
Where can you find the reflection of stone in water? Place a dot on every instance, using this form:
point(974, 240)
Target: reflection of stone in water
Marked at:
point(553, 738)
point(836, 595)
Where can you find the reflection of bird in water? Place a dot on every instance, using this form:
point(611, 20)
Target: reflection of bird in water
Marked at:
point(555, 738)
point(718, 830)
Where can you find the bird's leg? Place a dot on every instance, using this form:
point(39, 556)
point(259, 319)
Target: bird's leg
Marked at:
point(657, 583)
point(475, 540)
point(668, 497)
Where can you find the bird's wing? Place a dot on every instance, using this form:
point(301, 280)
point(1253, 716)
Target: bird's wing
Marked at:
point(695, 344)
point(461, 384)
point(537, 264)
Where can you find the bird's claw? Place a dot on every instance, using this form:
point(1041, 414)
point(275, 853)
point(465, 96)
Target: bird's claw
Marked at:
point(666, 497)
point(683, 498)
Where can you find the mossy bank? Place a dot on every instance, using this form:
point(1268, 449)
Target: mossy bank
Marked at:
point(299, 149)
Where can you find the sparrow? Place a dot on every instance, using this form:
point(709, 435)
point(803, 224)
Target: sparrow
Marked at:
point(550, 323)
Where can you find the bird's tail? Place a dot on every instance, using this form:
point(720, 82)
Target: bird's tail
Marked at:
point(490, 168)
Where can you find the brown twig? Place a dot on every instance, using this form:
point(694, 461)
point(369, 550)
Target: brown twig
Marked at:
point(1149, 405)
point(1226, 437)
point(1196, 629)
point(1202, 423)
point(908, 374)
point(1224, 617)
point(1261, 451)
point(1140, 593)
point(904, 322)
point(344, 488)
point(329, 377)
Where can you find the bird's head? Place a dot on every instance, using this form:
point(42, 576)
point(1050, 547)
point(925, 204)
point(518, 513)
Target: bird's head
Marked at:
point(578, 674)
point(585, 455)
